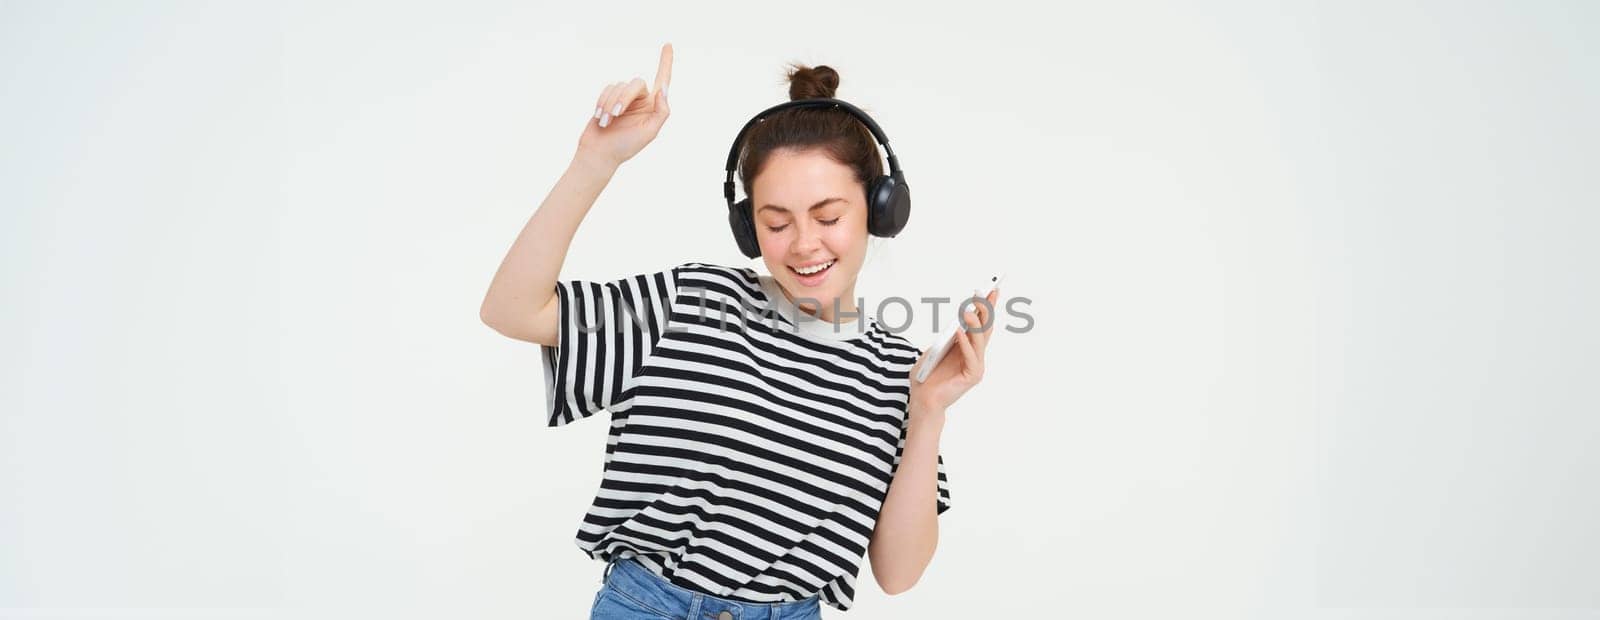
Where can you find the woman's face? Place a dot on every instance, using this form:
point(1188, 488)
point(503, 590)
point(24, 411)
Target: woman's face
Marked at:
point(811, 211)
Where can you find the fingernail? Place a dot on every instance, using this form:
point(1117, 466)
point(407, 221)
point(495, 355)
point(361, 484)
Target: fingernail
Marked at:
point(597, 111)
point(604, 118)
point(663, 92)
point(616, 110)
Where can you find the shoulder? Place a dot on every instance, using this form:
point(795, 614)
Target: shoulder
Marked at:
point(897, 341)
point(703, 274)
point(894, 346)
point(715, 269)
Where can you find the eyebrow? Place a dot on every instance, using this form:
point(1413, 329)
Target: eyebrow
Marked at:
point(820, 204)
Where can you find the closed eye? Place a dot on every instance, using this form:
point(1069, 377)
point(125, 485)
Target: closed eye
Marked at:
point(823, 222)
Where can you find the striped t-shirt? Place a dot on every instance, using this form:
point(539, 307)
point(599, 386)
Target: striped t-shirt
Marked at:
point(751, 444)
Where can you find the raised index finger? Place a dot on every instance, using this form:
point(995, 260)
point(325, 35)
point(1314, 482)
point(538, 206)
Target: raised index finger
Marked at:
point(664, 70)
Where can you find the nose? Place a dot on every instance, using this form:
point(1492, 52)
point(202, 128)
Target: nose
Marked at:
point(808, 239)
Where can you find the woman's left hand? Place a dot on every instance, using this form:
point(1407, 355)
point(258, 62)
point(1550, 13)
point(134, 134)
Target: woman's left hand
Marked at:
point(959, 370)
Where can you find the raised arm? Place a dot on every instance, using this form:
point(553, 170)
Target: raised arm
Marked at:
point(521, 300)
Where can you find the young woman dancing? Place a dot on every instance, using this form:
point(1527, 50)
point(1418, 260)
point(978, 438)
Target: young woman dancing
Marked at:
point(763, 438)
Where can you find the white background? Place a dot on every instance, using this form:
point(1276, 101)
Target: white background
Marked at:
point(1314, 291)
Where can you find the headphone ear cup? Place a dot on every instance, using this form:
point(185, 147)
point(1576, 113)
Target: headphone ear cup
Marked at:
point(744, 229)
point(888, 206)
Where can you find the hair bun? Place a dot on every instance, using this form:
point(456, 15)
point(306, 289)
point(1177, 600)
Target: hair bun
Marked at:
point(812, 82)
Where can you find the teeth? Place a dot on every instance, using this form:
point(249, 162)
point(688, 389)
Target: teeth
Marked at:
point(815, 269)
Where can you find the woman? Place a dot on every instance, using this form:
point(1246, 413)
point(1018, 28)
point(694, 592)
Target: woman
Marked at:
point(762, 438)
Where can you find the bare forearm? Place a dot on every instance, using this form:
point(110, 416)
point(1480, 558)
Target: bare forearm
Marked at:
point(907, 531)
point(526, 279)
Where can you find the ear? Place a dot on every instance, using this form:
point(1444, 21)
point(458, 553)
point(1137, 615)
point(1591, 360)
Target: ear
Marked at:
point(744, 229)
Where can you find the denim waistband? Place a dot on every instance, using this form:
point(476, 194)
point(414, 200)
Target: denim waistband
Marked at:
point(629, 576)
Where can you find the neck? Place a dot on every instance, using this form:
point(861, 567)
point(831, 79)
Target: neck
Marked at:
point(847, 305)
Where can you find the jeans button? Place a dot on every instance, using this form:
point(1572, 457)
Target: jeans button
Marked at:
point(725, 615)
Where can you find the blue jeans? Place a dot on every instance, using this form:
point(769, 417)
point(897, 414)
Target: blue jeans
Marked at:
point(632, 592)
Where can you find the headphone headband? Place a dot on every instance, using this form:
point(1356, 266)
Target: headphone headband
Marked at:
point(818, 102)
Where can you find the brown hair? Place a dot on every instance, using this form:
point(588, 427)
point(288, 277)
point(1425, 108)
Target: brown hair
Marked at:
point(835, 132)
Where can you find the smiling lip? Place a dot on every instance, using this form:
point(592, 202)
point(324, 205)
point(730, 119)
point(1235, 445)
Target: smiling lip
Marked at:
point(815, 278)
point(807, 265)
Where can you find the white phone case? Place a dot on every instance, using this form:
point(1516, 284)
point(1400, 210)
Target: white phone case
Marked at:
point(946, 340)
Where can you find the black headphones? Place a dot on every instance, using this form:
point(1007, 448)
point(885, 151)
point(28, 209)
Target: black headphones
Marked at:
point(888, 196)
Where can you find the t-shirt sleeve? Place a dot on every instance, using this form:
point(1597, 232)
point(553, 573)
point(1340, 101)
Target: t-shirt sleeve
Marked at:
point(607, 330)
point(944, 488)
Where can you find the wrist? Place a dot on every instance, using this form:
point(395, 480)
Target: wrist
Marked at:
point(590, 163)
point(926, 417)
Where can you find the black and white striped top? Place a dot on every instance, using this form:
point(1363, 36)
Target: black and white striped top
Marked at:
point(751, 445)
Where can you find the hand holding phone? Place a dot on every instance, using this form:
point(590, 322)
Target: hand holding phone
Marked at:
point(946, 339)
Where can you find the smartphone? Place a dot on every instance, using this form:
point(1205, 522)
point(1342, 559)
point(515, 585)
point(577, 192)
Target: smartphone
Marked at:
point(946, 339)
